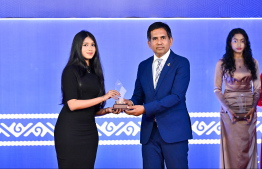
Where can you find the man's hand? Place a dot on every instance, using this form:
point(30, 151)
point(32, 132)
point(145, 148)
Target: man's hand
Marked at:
point(128, 102)
point(136, 110)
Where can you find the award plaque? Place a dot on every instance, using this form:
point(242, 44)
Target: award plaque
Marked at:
point(241, 101)
point(120, 102)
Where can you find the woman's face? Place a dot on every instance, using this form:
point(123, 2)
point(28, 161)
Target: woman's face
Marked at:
point(88, 48)
point(238, 43)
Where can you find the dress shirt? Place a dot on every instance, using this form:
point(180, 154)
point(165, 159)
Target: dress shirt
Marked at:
point(154, 65)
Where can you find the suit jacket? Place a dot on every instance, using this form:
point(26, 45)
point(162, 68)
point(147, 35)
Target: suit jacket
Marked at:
point(166, 103)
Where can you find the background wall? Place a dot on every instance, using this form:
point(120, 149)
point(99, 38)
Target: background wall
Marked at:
point(33, 53)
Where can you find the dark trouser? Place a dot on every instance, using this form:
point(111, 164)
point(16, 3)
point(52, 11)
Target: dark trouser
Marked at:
point(157, 152)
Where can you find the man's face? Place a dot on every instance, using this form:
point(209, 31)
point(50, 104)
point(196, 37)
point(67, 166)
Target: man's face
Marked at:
point(159, 42)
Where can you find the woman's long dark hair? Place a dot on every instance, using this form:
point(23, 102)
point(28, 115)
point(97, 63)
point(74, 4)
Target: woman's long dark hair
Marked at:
point(76, 58)
point(228, 60)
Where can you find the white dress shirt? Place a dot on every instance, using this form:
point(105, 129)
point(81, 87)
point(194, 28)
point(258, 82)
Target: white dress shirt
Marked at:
point(154, 65)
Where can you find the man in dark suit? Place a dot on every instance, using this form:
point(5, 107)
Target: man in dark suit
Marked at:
point(159, 94)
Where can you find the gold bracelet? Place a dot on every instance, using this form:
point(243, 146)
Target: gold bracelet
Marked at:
point(105, 111)
point(103, 97)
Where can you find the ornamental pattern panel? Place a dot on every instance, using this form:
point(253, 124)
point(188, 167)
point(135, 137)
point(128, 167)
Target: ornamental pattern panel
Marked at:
point(38, 129)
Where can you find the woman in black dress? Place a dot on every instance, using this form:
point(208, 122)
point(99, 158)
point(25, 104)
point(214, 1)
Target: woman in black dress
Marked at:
point(76, 136)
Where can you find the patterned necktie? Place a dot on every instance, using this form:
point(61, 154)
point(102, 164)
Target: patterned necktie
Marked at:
point(158, 69)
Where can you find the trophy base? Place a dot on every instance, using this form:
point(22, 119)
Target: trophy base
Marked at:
point(241, 116)
point(120, 106)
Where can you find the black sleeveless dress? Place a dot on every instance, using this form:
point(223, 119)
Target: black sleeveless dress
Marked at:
point(76, 136)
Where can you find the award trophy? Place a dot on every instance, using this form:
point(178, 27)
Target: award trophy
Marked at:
point(120, 102)
point(241, 101)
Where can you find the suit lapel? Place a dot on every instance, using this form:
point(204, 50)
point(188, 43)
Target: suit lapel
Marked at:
point(169, 63)
point(149, 74)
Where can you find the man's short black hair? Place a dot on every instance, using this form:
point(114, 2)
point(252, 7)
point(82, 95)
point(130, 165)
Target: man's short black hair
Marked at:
point(158, 25)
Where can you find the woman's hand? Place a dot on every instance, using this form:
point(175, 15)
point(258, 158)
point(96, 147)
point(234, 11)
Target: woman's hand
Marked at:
point(232, 115)
point(249, 116)
point(111, 94)
point(115, 111)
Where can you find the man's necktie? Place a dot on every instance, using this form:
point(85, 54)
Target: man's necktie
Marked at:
point(158, 69)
